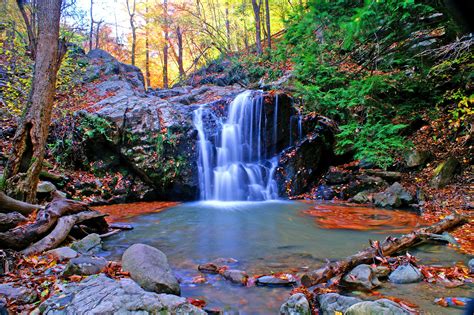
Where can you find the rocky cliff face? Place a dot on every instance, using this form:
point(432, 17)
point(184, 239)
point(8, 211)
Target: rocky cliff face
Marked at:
point(149, 136)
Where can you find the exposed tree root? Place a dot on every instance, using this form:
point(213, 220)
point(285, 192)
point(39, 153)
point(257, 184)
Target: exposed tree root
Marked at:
point(389, 247)
point(60, 231)
point(8, 204)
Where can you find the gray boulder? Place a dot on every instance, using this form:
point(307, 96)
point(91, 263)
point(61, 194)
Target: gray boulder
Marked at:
point(102, 295)
point(149, 267)
point(62, 253)
point(417, 158)
point(85, 266)
point(91, 244)
point(21, 295)
point(379, 307)
point(236, 276)
point(394, 196)
point(330, 303)
point(297, 304)
point(471, 265)
point(444, 173)
point(405, 274)
point(362, 276)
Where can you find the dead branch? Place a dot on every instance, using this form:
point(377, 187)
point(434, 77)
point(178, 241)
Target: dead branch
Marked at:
point(390, 246)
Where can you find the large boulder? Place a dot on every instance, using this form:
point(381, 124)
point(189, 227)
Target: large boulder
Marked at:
point(330, 303)
point(102, 295)
point(444, 173)
point(297, 304)
point(393, 197)
point(149, 267)
point(406, 274)
point(382, 306)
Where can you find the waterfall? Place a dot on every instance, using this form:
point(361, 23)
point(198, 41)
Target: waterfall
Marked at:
point(234, 168)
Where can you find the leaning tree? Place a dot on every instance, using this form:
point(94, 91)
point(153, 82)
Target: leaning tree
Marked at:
point(26, 158)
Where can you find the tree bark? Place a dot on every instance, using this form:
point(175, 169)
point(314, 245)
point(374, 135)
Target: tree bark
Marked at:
point(165, 47)
point(26, 159)
point(8, 204)
point(131, 13)
point(267, 20)
point(256, 13)
point(10, 220)
point(91, 30)
point(147, 49)
point(179, 34)
point(31, 32)
point(389, 247)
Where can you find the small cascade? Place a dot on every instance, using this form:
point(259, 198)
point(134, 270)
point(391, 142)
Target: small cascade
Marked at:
point(241, 164)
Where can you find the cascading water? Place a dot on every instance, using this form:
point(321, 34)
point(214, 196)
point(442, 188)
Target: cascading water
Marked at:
point(239, 168)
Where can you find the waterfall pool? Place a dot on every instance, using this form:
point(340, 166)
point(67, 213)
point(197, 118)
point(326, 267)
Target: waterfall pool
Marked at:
point(266, 237)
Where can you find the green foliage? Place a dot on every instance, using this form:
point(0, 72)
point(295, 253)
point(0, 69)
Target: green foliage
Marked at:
point(360, 64)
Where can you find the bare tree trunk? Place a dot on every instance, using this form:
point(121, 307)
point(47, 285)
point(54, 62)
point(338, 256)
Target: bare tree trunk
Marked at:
point(32, 37)
point(256, 13)
point(131, 13)
point(267, 20)
point(227, 27)
point(27, 155)
point(91, 30)
point(179, 34)
point(147, 49)
point(97, 40)
point(165, 47)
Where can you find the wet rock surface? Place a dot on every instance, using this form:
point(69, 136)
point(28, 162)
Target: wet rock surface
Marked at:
point(297, 304)
point(363, 276)
point(21, 294)
point(382, 306)
point(330, 303)
point(235, 276)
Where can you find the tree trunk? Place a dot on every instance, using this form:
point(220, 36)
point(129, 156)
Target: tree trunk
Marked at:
point(227, 28)
point(32, 36)
point(91, 30)
point(389, 247)
point(131, 13)
point(147, 49)
point(8, 204)
point(165, 47)
point(256, 13)
point(26, 159)
point(97, 41)
point(267, 20)
point(179, 34)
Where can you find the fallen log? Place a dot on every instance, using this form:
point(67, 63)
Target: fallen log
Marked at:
point(10, 220)
point(390, 246)
point(22, 236)
point(60, 231)
point(8, 204)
